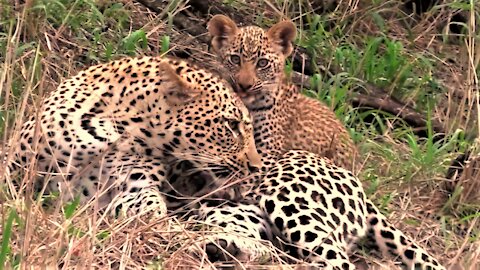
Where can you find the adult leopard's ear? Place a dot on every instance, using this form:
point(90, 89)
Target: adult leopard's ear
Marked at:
point(221, 28)
point(282, 34)
point(176, 89)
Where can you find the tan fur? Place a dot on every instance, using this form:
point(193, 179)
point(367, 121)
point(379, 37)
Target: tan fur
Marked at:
point(246, 76)
point(114, 130)
point(280, 112)
point(282, 34)
point(221, 27)
point(178, 89)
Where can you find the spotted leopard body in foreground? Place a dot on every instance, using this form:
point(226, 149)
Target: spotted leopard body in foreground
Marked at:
point(317, 210)
point(114, 130)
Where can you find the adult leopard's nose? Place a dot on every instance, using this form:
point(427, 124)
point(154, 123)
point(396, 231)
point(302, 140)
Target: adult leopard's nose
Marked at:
point(253, 157)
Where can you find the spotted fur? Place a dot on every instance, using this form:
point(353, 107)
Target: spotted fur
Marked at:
point(312, 209)
point(255, 60)
point(317, 210)
point(113, 131)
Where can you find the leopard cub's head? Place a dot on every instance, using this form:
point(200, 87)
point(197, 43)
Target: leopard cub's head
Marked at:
point(254, 57)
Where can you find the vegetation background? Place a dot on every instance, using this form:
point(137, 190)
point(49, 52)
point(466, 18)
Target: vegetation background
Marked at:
point(401, 75)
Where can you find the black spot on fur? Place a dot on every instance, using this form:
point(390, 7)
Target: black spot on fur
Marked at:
point(289, 210)
point(410, 254)
point(270, 206)
point(295, 236)
point(279, 223)
point(137, 119)
point(331, 255)
point(310, 236)
point(387, 235)
point(339, 204)
point(137, 176)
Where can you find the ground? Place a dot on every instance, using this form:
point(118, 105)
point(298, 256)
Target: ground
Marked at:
point(375, 52)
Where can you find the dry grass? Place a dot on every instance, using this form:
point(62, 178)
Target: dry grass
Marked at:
point(38, 55)
point(48, 239)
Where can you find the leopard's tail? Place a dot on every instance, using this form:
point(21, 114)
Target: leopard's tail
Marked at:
point(390, 240)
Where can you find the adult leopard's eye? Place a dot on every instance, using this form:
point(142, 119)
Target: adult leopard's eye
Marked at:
point(235, 59)
point(234, 126)
point(261, 63)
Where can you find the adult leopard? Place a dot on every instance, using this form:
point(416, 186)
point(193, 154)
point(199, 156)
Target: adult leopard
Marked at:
point(113, 131)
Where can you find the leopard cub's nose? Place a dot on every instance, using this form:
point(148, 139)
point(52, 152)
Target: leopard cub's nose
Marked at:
point(244, 86)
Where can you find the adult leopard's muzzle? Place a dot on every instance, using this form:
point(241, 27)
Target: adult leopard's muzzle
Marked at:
point(253, 157)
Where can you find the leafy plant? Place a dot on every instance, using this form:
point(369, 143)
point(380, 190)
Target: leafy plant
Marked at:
point(136, 39)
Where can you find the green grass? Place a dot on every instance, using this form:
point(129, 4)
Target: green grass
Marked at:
point(400, 161)
point(91, 24)
point(6, 234)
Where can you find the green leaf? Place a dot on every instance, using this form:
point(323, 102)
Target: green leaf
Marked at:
point(130, 42)
point(165, 44)
point(69, 208)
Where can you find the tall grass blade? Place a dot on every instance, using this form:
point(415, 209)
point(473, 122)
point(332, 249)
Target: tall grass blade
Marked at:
point(7, 232)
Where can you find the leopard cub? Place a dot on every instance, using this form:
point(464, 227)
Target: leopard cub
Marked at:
point(283, 118)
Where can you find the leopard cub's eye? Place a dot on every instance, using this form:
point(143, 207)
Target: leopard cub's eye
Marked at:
point(261, 63)
point(235, 59)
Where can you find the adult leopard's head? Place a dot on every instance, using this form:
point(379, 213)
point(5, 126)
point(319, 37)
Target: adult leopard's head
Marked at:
point(206, 120)
point(254, 57)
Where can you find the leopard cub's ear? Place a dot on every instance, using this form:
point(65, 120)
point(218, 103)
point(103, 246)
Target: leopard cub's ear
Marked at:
point(222, 29)
point(282, 34)
point(177, 89)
